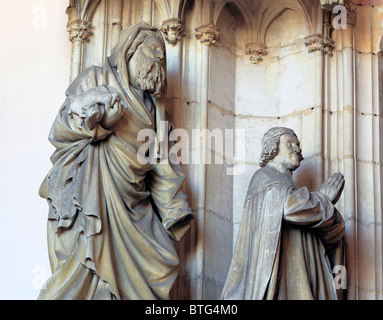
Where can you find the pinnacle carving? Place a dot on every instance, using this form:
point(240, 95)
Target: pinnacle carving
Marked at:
point(207, 34)
point(256, 52)
point(173, 30)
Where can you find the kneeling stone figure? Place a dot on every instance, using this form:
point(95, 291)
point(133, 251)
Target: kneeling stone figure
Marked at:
point(290, 239)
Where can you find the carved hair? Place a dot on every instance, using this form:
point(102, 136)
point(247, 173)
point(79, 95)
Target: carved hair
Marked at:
point(140, 39)
point(151, 74)
point(130, 39)
point(270, 143)
point(269, 151)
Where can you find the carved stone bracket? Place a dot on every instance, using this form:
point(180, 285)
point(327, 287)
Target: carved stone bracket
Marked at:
point(318, 42)
point(79, 30)
point(79, 16)
point(256, 52)
point(207, 34)
point(173, 30)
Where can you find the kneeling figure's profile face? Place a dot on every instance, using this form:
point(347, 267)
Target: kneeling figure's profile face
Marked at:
point(289, 152)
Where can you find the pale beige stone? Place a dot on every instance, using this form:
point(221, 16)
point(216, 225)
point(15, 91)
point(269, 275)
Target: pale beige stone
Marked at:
point(332, 101)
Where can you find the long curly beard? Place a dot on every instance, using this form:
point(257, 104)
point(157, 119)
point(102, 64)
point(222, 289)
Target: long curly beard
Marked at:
point(151, 74)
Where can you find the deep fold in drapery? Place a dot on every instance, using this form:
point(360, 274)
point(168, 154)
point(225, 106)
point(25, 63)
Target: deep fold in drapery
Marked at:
point(105, 239)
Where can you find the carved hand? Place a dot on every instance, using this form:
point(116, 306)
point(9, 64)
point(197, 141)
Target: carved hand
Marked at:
point(113, 109)
point(333, 187)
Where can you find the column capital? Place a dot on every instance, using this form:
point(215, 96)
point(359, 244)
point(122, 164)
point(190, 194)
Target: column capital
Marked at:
point(255, 51)
point(319, 42)
point(207, 34)
point(79, 18)
point(173, 30)
point(79, 30)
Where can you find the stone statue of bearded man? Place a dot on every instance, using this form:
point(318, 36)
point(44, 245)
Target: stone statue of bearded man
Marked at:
point(290, 239)
point(111, 218)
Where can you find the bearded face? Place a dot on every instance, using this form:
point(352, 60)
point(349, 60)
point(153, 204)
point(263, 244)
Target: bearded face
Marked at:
point(148, 72)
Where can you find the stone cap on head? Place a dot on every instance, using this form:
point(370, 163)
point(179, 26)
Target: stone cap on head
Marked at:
point(274, 133)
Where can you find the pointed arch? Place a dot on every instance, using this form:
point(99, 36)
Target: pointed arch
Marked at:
point(83, 8)
point(245, 11)
point(273, 11)
point(171, 9)
point(163, 9)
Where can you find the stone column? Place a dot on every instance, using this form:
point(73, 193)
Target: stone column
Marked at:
point(319, 45)
point(349, 199)
point(336, 111)
point(116, 17)
point(78, 33)
point(356, 148)
point(172, 30)
point(207, 35)
point(377, 125)
point(328, 49)
point(367, 155)
point(79, 28)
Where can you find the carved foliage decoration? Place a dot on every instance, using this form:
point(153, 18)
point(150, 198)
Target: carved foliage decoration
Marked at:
point(256, 52)
point(319, 42)
point(79, 30)
point(173, 30)
point(207, 34)
point(79, 16)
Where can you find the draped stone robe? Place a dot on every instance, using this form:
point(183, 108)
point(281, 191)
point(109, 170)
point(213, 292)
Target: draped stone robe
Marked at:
point(288, 243)
point(111, 219)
